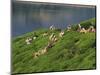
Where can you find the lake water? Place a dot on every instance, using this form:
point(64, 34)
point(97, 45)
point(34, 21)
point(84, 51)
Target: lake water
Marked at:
point(29, 17)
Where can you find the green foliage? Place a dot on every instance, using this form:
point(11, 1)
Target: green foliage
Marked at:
point(86, 24)
point(74, 51)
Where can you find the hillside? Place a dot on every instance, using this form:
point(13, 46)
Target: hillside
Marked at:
point(74, 51)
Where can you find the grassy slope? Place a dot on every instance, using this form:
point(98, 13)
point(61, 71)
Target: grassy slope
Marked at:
point(72, 52)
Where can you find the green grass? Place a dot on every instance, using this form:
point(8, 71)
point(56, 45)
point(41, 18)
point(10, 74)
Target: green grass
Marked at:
point(74, 51)
point(86, 24)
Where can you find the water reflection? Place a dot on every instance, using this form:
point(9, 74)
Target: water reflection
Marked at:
point(29, 17)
